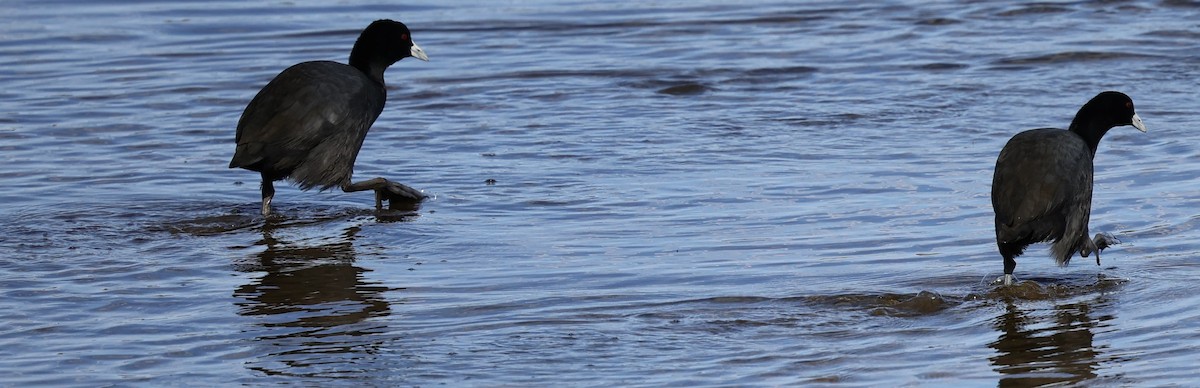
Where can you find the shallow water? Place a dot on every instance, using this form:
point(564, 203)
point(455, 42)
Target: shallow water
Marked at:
point(684, 194)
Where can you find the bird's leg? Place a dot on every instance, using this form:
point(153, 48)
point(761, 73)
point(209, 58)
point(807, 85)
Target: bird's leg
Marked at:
point(1010, 265)
point(268, 192)
point(386, 190)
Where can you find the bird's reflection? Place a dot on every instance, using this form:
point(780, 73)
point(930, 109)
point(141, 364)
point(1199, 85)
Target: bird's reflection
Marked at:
point(1040, 347)
point(316, 314)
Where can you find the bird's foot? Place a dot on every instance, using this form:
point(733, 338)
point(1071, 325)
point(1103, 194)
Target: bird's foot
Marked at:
point(1105, 240)
point(397, 195)
point(1097, 244)
point(1006, 280)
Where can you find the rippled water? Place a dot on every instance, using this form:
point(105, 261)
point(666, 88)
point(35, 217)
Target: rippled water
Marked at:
point(624, 193)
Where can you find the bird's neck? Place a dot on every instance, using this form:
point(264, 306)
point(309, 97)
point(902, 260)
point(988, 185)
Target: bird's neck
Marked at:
point(1090, 131)
point(372, 67)
point(375, 73)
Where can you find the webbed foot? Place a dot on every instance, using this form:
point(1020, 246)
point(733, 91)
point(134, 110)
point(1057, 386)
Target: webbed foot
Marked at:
point(397, 194)
point(1098, 243)
point(385, 190)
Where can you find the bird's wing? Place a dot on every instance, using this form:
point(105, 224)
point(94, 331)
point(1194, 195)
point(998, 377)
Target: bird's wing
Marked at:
point(1036, 176)
point(297, 110)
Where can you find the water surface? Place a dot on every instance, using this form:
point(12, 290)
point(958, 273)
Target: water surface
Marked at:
point(684, 193)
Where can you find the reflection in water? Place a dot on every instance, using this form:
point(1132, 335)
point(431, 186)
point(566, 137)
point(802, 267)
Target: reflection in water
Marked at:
point(314, 309)
point(1052, 349)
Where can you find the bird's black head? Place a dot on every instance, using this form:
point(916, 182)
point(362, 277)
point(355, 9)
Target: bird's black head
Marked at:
point(1108, 109)
point(1105, 111)
point(381, 44)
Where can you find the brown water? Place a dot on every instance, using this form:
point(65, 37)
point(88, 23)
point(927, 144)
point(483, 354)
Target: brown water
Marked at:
point(686, 193)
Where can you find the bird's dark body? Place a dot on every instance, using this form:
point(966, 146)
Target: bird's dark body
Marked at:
point(308, 124)
point(1053, 203)
point(1042, 184)
point(291, 130)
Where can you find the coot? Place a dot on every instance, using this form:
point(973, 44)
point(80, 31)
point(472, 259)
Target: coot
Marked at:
point(1042, 187)
point(309, 122)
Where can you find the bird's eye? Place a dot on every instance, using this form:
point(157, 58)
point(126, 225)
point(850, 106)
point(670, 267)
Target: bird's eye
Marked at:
point(403, 36)
point(1129, 105)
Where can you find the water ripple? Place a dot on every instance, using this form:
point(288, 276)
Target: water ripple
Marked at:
point(681, 193)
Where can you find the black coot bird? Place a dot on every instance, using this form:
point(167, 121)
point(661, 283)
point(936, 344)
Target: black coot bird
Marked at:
point(1042, 187)
point(308, 123)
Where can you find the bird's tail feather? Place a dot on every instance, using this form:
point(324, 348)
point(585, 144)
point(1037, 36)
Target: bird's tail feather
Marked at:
point(1064, 248)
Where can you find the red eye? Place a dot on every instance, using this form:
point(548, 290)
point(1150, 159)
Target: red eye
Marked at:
point(1129, 105)
point(403, 36)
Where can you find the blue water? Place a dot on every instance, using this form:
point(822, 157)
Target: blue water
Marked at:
point(688, 193)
